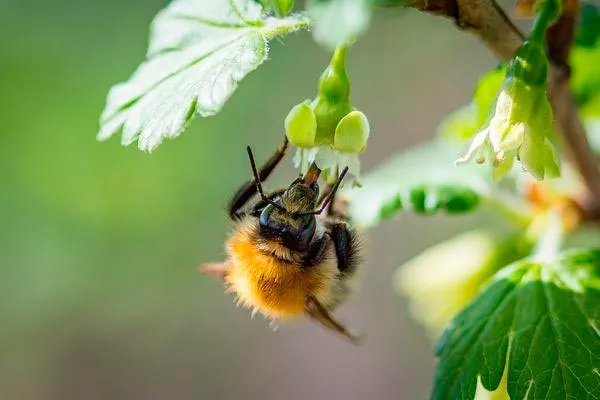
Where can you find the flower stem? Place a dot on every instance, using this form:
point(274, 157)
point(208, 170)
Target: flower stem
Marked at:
point(547, 13)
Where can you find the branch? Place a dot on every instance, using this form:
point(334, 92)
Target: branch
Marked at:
point(486, 20)
point(560, 37)
point(483, 18)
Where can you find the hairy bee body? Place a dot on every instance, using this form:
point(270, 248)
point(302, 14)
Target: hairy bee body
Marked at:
point(275, 280)
point(286, 255)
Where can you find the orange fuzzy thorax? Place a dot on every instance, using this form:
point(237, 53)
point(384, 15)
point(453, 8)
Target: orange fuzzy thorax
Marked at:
point(270, 285)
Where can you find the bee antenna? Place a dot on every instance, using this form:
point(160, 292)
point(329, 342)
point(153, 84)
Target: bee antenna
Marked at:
point(258, 183)
point(329, 197)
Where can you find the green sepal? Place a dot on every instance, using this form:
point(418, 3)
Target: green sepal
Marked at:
point(352, 133)
point(334, 83)
point(301, 125)
point(328, 116)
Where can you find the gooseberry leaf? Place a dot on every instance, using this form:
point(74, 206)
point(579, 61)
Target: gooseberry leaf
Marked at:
point(338, 22)
point(539, 319)
point(199, 51)
point(422, 179)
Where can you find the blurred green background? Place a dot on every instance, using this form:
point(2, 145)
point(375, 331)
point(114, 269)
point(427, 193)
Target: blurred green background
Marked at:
point(99, 293)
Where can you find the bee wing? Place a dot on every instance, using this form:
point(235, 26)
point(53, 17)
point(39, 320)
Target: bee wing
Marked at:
point(319, 314)
point(217, 270)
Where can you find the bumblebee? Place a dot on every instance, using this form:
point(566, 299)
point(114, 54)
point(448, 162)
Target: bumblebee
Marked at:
point(290, 253)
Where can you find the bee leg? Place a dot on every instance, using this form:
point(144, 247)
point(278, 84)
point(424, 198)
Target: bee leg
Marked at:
point(217, 270)
point(330, 208)
point(248, 189)
point(344, 241)
point(319, 314)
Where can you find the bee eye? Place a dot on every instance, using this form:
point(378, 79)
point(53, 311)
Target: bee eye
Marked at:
point(314, 187)
point(263, 220)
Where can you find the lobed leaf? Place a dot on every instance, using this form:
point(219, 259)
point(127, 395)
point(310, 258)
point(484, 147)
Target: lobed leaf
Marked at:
point(199, 51)
point(539, 320)
point(423, 180)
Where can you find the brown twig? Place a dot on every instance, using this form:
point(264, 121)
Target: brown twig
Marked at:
point(560, 37)
point(483, 18)
point(486, 20)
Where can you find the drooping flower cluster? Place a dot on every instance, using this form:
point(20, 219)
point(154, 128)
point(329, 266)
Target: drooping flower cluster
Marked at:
point(328, 130)
point(521, 120)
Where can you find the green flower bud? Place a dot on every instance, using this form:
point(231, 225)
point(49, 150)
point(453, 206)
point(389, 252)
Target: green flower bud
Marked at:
point(352, 133)
point(529, 64)
point(327, 131)
point(334, 84)
point(328, 117)
point(301, 125)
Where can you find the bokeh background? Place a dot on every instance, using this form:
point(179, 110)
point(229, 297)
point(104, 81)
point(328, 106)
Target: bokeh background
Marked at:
point(99, 293)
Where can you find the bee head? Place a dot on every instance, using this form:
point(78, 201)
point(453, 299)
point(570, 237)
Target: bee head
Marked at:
point(290, 219)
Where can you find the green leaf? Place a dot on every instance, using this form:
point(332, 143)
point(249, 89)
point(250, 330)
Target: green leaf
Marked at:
point(539, 320)
point(199, 51)
point(338, 22)
point(421, 179)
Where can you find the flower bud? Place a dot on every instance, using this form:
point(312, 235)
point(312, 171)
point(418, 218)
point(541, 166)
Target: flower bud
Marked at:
point(334, 84)
point(327, 130)
point(301, 125)
point(328, 116)
point(352, 133)
point(529, 64)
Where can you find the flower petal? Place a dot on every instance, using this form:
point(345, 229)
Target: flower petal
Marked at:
point(503, 166)
point(477, 149)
